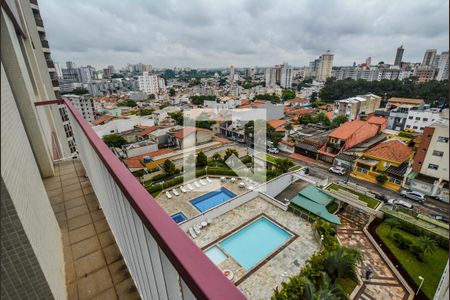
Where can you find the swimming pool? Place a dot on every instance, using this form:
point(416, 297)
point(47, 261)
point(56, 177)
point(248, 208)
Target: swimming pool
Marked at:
point(254, 242)
point(212, 199)
point(215, 255)
point(178, 217)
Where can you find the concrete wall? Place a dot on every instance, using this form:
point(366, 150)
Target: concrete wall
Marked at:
point(23, 182)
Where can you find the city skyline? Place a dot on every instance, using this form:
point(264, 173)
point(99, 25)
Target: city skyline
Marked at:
point(241, 34)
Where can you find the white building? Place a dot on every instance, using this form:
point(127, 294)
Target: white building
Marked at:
point(325, 66)
point(429, 58)
point(419, 119)
point(85, 105)
point(353, 107)
point(150, 84)
point(443, 67)
point(286, 76)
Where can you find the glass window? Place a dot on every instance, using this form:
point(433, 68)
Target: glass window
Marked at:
point(442, 139)
point(414, 127)
point(408, 126)
point(438, 153)
point(410, 117)
point(417, 118)
point(425, 119)
point(433, 167)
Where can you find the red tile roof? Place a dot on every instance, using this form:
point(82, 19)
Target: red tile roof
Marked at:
point(390, 150)
point(103, 119)
point(344, 131)
point(222, 140)
point(400, 101)
point(276, 123)
point(377, 120)
point(148, 129)
point(182, 133)
point(287, 143)
point(136, 161)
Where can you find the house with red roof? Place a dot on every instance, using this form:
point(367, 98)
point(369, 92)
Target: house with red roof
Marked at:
point(346, 136)
point(389, 160)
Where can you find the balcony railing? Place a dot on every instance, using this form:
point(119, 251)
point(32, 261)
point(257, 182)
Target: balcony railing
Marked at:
point(55, 82)
point(163, 261)
point(39, 21)
point(33, 2)
point(50, 64)
point(44, 44)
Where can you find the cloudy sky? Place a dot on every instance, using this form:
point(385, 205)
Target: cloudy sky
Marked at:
point(202, 33)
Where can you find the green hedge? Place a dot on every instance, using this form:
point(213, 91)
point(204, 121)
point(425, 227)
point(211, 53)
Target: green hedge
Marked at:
point(418, 231)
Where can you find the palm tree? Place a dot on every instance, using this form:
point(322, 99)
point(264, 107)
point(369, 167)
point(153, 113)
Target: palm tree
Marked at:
point(342, 263)
point(391, 223)
point(427, 244)
point(216, 156)
point(282, 165)
point(324, 290)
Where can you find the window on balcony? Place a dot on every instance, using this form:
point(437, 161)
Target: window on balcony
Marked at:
point(438, 153)
point(442, 139)
point(433, 167)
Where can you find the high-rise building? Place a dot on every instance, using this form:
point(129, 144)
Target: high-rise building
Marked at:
point(443, 66)
point(429, 58)
point(231, 74)
point(286, 76)
point(84, 104)
point(325, 66)
point(399, 56)
point(150, 84)
point(368, 61)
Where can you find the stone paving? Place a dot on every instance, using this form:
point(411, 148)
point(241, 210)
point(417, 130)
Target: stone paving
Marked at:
point(182, 202)
point(286, 263)
point(94, 266)
point(384, 284)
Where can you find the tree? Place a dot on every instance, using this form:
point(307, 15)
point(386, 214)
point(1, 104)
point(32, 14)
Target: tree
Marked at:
point(321, 118)
point(169, 167)
point(313, 96)
point(427, 244)
point(80, 91)
point(146, 111)
point(391, 223)
point(342, 263)
point(172, 92)
point(199, 100)
point(337, 121)
point(229, 152)
point(216, 156)
point(114, 140)
point(202, 160)
point(282, 165)
point(287, 94)
point(381, 178)
point(269, 97)
point(288, 127)
point(178, 117)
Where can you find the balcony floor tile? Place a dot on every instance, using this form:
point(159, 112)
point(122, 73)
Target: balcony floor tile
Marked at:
point(94, 265)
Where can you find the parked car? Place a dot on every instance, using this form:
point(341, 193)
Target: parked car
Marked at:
point(413, 195)
point(273, 150)
point(380, 197)
point(399, 202)
point(337, 170)
point(441, 218)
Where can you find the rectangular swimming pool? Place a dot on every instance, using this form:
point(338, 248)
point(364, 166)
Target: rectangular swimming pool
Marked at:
point(255, 242)
point(178, 217)
point(212, 199)
point(215, 255)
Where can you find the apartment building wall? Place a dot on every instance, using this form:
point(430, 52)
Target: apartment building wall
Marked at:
point(436, 160)
point(419, 119)
point(36, 258)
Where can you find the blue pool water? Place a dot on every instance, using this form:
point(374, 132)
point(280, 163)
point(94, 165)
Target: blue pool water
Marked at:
point(178, 217)
point(215, 255)
point(212, 199)
point(256, 241)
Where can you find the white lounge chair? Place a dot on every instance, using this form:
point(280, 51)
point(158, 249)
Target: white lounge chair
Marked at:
point(190, 186)
point(197, 229)
point(241, 185)
point(183, 189)
point(175, 192)
point(222, 178)
point(196, 184)
point(202, 182)
point(209, 180)
point(192, 233)
point(233, 180)
point(168, 195)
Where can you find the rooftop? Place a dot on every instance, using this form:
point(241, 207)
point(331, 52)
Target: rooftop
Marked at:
point(390, 150)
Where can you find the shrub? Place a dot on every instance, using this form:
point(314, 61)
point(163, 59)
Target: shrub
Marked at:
point(417, 251)
point(246, 160)
point(159, 177)
point(381, 178)
point(403, 242)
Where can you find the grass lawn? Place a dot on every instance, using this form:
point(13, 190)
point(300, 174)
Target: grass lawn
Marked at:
point(432, 267)
point(347, 284)
point(295, 168)
point(371, 202)
point(267, 157)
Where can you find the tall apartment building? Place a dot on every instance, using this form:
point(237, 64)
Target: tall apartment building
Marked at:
point(231, 73)
point(418, 120)
point(355, 107)
point(85, 105)
point(325, 66)
point(286, 76)
point(399, 56)
point(431, 160)
point(32, 250)
point(442, 73)
point(150, 84)
point(424, 74)
point(429, 58)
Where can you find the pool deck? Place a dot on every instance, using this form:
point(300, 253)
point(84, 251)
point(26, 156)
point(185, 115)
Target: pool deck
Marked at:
point(182, 202)
point(286, 261)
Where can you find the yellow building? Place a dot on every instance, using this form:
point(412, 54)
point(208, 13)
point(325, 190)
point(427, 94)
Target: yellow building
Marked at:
point(390, 158)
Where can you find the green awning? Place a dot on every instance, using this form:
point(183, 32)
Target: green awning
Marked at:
point(316, 195)
point(412, 175)
point(316, 209)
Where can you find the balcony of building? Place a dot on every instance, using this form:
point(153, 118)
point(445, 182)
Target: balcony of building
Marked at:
point(45, 44)
point(118, 242)
point(34, 2)
point(50, 64)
